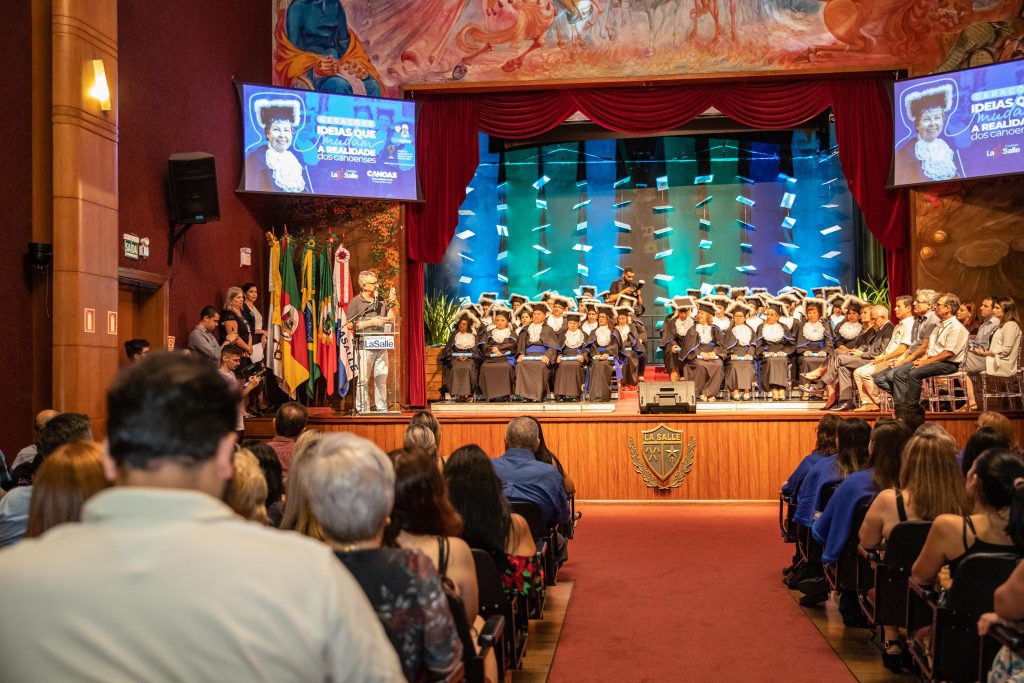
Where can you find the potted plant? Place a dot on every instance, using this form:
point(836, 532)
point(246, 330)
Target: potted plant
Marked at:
point(439, 311)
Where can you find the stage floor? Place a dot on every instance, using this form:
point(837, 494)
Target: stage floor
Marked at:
point(625, 407)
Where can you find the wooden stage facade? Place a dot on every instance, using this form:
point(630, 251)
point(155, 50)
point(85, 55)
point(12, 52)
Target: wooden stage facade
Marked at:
point(737, 456)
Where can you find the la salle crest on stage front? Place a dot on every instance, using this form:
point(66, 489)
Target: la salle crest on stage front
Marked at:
point(663, 465)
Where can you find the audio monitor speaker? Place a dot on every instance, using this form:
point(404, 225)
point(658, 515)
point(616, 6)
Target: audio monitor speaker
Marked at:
point(192, 178)
point(667, 397)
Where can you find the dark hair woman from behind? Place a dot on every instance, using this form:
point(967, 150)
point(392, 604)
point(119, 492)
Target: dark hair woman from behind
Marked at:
point(828, 432)
point(544, 454)
point(271, 466)
point(886, 447)
point(852, 437)
point(980, 441)
point(476, 492)
point(996, 483)
point(824, 446)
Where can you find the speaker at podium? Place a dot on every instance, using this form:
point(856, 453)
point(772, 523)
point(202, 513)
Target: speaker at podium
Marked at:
point(667, 397)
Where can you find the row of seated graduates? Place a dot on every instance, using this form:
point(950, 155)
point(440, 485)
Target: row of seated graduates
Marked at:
point(511, 587)
point(912, 533)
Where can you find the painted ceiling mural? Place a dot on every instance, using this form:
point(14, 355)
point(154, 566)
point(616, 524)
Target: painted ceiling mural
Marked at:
point(375, 46)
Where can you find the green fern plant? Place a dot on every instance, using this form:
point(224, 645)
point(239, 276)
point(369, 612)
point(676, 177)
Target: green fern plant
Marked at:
point(439, 311)
point(874, 290)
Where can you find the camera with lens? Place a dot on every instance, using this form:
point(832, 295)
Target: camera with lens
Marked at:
point(250, 371)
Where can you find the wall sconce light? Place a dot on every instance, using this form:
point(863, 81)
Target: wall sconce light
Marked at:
point(100, 91)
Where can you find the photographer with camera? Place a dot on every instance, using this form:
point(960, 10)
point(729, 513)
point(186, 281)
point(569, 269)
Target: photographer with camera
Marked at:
point(230, 359)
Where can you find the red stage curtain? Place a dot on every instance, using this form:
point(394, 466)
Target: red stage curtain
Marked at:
point(448, 152)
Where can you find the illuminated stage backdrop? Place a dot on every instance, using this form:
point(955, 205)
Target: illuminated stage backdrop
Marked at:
point(767, 210)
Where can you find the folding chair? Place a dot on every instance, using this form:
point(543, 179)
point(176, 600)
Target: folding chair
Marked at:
point(495, 601)
point(1011, 388)
point(491, 635)
point(842, 576)
point(945, 389)
point(942, 627)
point(999, 636)
point(882, 574)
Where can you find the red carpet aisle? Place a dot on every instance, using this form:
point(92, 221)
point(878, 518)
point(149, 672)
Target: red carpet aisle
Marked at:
point(685, 593)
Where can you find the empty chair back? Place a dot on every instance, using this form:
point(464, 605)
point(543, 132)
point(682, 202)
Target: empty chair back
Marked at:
point(530, 511)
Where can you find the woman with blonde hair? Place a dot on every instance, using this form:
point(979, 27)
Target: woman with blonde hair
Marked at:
point(420, 437)
point(246, 492)
point(61, 485)
point(298, 513)
point(1000, 424)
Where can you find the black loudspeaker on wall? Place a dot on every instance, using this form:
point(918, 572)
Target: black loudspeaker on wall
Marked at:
point(192, 178)
point(667, 397)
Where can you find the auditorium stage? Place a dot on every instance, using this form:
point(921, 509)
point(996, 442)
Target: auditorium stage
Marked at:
point(740, 454)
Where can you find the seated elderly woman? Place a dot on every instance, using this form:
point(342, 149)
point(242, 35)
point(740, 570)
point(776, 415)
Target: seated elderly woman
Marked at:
point(930, 485)
point(351, 488)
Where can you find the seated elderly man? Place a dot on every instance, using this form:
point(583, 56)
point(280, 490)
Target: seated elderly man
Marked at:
point(848, 363)
point(351, 488)
point(523, 477)
point(161, 581)
point(28, 453)
point(942, 355)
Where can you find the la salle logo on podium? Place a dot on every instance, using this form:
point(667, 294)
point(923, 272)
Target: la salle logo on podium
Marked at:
point(663, 465)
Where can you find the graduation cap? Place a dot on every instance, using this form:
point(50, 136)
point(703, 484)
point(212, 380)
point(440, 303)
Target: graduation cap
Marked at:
point(540, 306)
point(693, 293)
point(525, 308)
point(802, 293)
point(816, 303)
point(470, 316)
point(789, 298)
point(719, 300)
point(623, 310)
point(826, 293)
point(853, 303)
point(776, 305)
point(606, 309)
point(721, 289)
point(739, 306)
point(499, 310)
point(683, 303)
point(563, 301)
point(589, 304)
point(603, 296)
point(517, 300)
point(836, 299)
point(478, 309)
point(588, 290)
point(278, 109)
point(738, 291)
point(487, 297)
point(706, 305)
point(758, 290)
point(549, 294)
point(939, 97)
point(573, 316)
point(626, 300)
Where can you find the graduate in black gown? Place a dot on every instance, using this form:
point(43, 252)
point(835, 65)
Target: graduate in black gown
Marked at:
point(497, 348)
point(741, 353)
point(538, 348)
point(774, 344)
point(630, 346)
point(704, 349)
point(571, 363)
point(603, 348)
point(673, 336)
point(813, 343)
point(460, 357)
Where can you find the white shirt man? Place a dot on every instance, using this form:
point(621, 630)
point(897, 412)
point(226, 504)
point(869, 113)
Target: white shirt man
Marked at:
point(945, 351)
point(163, 582)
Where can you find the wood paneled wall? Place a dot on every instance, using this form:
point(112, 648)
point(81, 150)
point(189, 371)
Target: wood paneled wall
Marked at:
point(735, 459)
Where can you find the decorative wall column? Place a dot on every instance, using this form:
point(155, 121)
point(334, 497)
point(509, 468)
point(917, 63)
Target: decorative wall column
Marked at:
point(85, 208)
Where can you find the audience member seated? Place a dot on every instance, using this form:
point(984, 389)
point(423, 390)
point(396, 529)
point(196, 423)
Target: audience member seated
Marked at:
point(66, 428)
point(489, 524)
point(419, 437)
point(271, 467)
point(852, 437)
point(544, 455)
point(993, 527)
point(824, 446)
point(930, 484)
point(428, 420)
point(71, 475)
point(423, 519)
point(246, 490)
point(967, 315)
point(523, 477)
point(289, 422)
point(880, 472)
point(298, 515)
point(1008, 603)
point(161, 581)
point(351, 488)
point(135, 349)
point(910, 414)
point(1000, 358)
point(980, 441)
point(29, 452)
point(999, 423)
point(988, 325)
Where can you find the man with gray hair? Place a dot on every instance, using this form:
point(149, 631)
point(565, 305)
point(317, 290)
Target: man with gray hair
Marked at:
point(369, 314)
point(942, 353)
point(925, 321)
point(351, 488)
point(523, 477)
point(850, 363)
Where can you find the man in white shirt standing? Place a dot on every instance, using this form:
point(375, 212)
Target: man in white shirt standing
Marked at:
point(942, 355)
point(163, 582)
